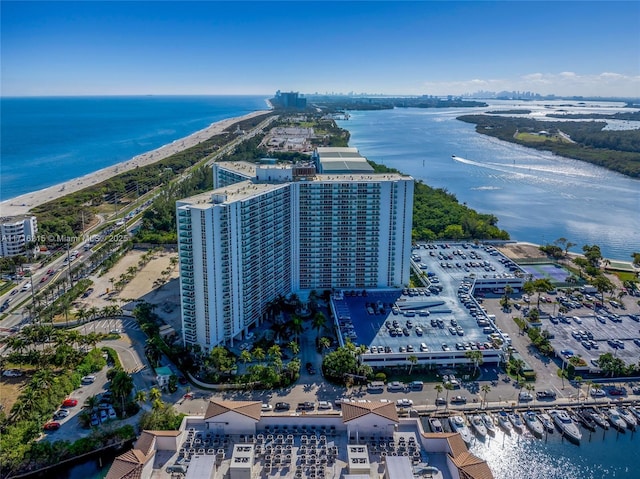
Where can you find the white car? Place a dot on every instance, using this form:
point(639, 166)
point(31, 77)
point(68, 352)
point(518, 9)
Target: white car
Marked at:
point(404, 402)
point(266, 407)
point(112, 413)
point(325, 405)
point(598, 393)
point(88, 379)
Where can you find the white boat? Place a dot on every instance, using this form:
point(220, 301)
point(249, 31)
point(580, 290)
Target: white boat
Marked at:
point(478, 426)
point(435, 424)
point(546, 421)
point(616, 419)
point(533, 423)
point(503, 421)
point(628, 418)
point(487, 419)
point(458, 425)
point(516, 420)
point(635, 410)
point(599, 418)
point(566, 425)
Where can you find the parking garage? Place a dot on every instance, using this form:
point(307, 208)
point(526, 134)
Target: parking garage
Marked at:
point(437, 323)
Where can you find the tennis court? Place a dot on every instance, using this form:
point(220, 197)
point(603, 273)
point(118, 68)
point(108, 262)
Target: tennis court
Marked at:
point(551, 271)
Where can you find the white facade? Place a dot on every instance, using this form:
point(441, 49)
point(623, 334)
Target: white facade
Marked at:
point(246, 243)
point(15, 233)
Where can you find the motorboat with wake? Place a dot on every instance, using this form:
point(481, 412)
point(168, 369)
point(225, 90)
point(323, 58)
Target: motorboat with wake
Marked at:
point(566, 425)
point(477, 424)
point(533, 423)
point(458, 425)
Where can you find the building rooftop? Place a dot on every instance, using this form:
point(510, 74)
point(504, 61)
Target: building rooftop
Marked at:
point(342, 160)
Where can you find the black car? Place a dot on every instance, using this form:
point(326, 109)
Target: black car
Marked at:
point(282, 406)
point(310, 369)
point(306, 406)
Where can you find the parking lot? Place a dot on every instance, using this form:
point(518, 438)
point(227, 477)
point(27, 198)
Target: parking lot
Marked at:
point(437, 322)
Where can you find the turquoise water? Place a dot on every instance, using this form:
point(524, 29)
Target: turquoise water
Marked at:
point(46, 141)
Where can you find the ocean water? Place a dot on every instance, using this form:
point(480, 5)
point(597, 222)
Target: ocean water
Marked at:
point(46, 141)
point(537, 196)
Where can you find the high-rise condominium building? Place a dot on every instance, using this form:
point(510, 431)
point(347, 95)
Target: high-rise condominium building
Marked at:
point(270, 230)
point(16, 233)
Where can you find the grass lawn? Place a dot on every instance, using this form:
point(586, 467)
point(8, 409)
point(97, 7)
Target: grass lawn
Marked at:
point(533, 138)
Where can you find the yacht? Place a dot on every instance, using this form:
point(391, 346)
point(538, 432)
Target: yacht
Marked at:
point(435, 424)
point(566, 425)
point(546, 421)
point(458, 425)
point(503, 420)
point(478, 426)
point(585, 419)
point(628, 418)
point(533, 423)
point(635, 411)
point(616, 419)
point(597, 417)
point(488, 423)
point(516, 420)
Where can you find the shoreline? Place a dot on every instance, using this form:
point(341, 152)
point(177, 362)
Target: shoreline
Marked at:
point(21, 205)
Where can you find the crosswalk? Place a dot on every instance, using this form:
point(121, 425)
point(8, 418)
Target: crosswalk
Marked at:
point(107, 325)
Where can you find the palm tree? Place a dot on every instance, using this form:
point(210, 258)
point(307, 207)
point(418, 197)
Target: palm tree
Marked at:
point(578, 380)
point(296, 326)
point(154, 394)
point(245, 356)
point(274, 352)
point(140, 397)
point(413, 360)
point(258, 354)
point(325, 343)
point(597, 387)
point(476, 358)
point(319, 322)
point(448, 386)
point(485, 388)
point(439, 389)
point(589, 384)
point(295, 347)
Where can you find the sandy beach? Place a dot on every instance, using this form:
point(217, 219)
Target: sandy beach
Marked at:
point(24, 203)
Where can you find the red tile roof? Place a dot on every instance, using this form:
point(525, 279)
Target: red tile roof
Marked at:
point(246, 408)
point(351, 411)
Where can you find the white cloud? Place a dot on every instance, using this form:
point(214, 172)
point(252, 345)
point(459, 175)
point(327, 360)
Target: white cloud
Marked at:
point(562, 83)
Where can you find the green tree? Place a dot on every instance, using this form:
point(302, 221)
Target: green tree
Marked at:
point(319, 322)
point(413, 360)
point(485, 388)
point(439, 389)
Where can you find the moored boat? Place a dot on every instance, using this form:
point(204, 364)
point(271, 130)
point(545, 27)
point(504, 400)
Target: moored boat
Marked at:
point(628, 418)
point(503, 421)
point(435, 424)
point(566, 425)
point(585, 419)
point(533, 423)
point(458, 425)
point(597, 417)
point(478, 426)
point(516, 420)
point(487, 419)
point(635, 411)
point(546, 421)
point(616, 420)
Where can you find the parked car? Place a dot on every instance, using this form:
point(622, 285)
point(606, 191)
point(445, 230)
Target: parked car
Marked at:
point(95, 421)
point(12, 373)
point(404, 402)
point(88, 379)
point(441, 401)
point(325, 405)
point(112, 413)
point(61, 413)
point(70, 402)
point(282, 406)
point(458, 400)
point(266, 407)
point(306, 406)
point(51, 426)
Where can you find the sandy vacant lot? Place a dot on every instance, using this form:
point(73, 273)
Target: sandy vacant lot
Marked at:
point(143, 286)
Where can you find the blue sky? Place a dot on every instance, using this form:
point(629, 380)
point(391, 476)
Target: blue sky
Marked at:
point(110, 48)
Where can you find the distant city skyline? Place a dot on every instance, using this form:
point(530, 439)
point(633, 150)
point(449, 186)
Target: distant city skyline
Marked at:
point(396, 48)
